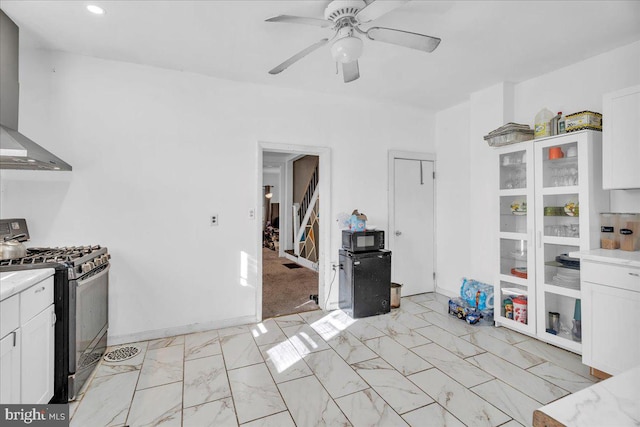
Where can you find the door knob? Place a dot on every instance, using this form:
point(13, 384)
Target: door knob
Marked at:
point(398, 233)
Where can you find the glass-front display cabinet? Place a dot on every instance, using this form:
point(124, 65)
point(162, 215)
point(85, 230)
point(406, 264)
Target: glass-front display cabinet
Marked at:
point(550, 196)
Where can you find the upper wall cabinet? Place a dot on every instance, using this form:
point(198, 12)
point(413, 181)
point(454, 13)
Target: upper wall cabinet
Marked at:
point(621, 139)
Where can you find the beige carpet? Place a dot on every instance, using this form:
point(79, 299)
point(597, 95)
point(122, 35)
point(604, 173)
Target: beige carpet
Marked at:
point(284, 290)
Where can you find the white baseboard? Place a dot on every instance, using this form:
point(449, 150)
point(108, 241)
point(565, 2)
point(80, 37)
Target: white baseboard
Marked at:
point(446, 292)
point(178, 330)
point(332, 306)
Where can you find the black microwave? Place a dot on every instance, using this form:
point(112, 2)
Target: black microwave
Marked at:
point(362, 241)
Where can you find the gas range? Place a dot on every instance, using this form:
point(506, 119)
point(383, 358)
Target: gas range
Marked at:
point(81, 298)
point(79, 259)
point(71, 255)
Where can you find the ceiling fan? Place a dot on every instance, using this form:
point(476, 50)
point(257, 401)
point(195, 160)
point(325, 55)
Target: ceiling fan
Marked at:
point(345, 17)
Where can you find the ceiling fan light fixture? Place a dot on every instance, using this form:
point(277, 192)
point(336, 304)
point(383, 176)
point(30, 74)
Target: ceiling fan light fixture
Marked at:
point(346, 49)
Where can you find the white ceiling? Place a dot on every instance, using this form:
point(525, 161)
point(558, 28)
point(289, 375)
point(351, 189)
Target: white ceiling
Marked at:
point(483, 42)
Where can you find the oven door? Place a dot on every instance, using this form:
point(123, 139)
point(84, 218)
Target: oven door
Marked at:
point(88, 341)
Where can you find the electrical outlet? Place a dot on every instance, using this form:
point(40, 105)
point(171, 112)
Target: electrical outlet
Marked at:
point(252, 214)
point(214, 219)
point(335, 265)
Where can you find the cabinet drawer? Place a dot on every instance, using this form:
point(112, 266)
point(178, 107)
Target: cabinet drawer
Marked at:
point(616, 276)
point(9, 315)
point(35, 299)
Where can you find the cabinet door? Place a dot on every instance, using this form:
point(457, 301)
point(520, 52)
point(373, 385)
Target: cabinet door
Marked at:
point(562, 226)
point(516, 257)
point(621, 139)
point(38, 358)
point(610, 328)
point(10, 368)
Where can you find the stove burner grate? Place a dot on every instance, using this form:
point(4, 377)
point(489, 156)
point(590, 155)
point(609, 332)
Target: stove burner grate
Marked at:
point(51, 255)
point(121, 353)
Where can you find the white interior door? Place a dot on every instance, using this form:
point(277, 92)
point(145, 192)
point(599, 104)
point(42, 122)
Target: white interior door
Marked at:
point(412, 228)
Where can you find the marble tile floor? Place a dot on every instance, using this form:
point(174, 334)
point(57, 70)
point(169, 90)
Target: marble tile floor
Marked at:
point(416, 366)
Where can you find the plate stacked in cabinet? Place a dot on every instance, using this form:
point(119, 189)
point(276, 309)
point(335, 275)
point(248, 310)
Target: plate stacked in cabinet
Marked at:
point(560, 180)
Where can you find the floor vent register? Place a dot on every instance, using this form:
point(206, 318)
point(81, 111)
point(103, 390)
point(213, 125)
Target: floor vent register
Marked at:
point(121, 353)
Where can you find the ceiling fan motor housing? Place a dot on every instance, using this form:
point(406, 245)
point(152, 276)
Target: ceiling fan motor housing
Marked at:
point(339, 9)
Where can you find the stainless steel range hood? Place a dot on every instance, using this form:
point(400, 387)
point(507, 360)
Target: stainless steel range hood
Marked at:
point(16, 150)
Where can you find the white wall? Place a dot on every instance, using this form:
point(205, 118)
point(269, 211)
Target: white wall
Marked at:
point(453, 197)
point(580, 87)
point(155, 152)
point(574, 88)
point(489, 110)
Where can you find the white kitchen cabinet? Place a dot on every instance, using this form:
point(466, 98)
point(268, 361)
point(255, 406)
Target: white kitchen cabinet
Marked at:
point(621, 139)
point(27, 347)
point(10, 368)
point(10, 350)
point(564, 197)
point(611, 297)
point(38, 357)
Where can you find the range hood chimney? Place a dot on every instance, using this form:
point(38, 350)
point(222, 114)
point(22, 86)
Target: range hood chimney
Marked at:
point(16, 150)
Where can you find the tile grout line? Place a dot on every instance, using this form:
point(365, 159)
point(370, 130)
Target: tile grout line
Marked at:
point(464, 387)
point(270, 375)
point(135, 388)
point(313, 374)
point(226, 373)
point(524, 369)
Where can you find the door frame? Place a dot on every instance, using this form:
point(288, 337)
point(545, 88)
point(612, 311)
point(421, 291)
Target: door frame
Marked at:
point(324, 169)
point(411, 155)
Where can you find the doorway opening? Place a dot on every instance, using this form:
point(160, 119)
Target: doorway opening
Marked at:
point(292, 230)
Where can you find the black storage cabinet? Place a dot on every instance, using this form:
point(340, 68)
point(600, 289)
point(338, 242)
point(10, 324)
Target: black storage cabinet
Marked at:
point(365, 283)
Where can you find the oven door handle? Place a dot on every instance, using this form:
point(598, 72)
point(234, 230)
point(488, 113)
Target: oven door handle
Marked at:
point(82, 282)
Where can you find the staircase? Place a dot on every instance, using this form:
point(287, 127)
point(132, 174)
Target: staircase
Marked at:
point(307, 222)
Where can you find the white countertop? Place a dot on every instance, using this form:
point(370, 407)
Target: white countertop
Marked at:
point(612, 256)
point(13, 282)
point(612, 402)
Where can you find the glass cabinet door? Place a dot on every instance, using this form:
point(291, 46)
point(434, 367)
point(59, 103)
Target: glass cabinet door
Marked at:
point(560, 185)
point(515, 294)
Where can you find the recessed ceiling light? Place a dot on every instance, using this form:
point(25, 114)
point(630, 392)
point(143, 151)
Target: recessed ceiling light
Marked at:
point(95, 9)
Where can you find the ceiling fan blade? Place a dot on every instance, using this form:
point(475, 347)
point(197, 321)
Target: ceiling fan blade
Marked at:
point(350, 71)
point(403, 38)
point(290, 19)
point(377, 8)
point(280, 68)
